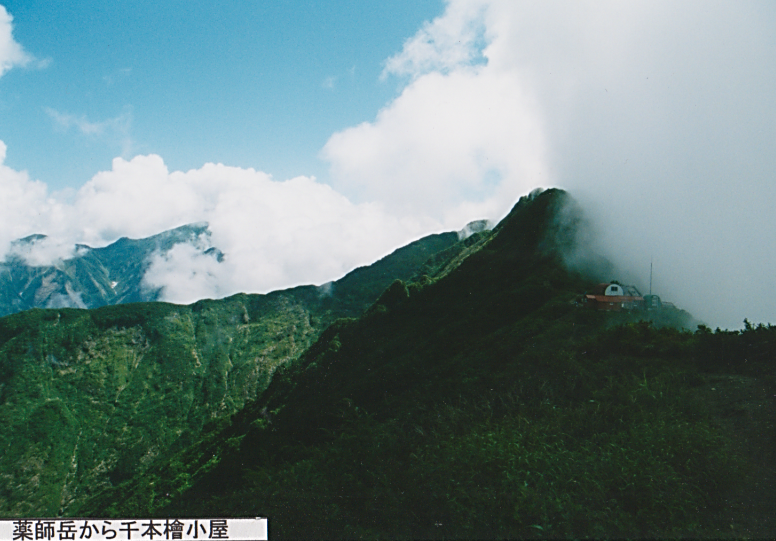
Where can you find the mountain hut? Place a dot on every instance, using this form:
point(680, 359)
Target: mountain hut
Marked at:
point(615, 297)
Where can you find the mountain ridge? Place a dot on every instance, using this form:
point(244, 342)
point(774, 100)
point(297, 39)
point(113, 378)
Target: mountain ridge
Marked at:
point(149, 376)
point(474, 396)
point(486, 403)
point(113, 274)
point(92, 277)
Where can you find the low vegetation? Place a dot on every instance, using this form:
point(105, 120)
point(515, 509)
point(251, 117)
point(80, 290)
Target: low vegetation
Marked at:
point(90, 399)
point(483, 402)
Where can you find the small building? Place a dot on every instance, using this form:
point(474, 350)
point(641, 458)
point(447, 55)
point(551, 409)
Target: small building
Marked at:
point(615, 297)
point(652, 302)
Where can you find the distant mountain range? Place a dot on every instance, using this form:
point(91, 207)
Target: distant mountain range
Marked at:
point(93, 277)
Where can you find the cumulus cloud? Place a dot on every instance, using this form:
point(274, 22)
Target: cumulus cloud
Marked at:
point(186, 274)
point(273, 234)
point(455, 146)
point(26, 205)
point(462, 141)
point(11, 53)
point(40, 251)
point(442, 45)
point(657, 115)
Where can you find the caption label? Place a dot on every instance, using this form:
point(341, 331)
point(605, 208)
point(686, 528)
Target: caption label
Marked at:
point(145, 529)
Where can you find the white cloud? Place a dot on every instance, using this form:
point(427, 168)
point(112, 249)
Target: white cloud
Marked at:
point(39, 252)
point(26, 204)
point(463, 140)
point(448, 42)
point(273, 234)
point(112, 130)
point(658, 115)
point(11, 53)
point(65, 121)
point(455, 146)
point(185, 274)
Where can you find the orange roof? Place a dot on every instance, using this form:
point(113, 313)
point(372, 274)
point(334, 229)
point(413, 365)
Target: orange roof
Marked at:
point(613, 298)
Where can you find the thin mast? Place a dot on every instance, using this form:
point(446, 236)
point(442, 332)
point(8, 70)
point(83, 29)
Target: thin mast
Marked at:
point(650, 276)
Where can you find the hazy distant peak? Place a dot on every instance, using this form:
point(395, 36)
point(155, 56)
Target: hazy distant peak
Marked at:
point(41, 272)
point(477, 226)
point(181, 232)
point(216, 253)
point(29, 239)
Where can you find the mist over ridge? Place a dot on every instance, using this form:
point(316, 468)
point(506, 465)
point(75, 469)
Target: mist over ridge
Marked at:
point(656, 116)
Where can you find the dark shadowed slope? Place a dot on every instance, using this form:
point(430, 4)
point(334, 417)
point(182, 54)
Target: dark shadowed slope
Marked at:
point(485, 404)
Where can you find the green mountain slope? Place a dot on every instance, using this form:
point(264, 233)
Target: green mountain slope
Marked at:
point(91, 398)
point(485, 404)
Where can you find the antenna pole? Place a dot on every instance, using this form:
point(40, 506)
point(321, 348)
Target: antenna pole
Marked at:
point(650, 276)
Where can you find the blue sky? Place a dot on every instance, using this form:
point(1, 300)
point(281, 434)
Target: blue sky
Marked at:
point(249, 84)
point(314, 137)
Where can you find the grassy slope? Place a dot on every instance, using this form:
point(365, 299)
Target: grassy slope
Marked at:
point(90, 399)
point(484, 405)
